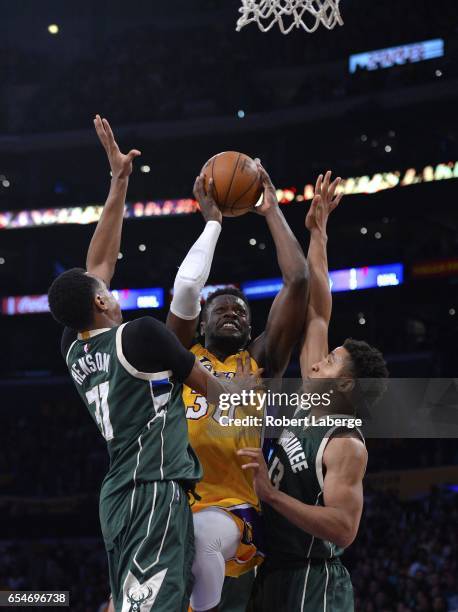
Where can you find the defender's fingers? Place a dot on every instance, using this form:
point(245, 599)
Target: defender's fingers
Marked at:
point(317, 199)
point(100, 130)
point(133, 154)
point(333, 187)
point(327, 179)
point(245, 466)
point(252, 451)
point(318, 185)
point(335, 203)
point(247, 365)
point(108, 129)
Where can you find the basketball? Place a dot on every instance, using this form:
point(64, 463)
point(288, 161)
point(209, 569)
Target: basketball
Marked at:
point(237, 182)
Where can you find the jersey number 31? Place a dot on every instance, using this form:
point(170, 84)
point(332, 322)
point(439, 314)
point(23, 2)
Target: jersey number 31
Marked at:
point(98, 395)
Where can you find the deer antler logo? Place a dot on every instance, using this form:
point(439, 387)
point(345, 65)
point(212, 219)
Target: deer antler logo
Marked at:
point(136, 596)
point(139, 597)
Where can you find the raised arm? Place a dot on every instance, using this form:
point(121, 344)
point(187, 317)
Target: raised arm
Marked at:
point(193, 272)
point(315, 340)
point(103, 250)
point(285, 322)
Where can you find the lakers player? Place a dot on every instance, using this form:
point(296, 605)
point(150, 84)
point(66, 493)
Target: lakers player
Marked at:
point(312, 490)
point(129, 377)
point(226, 515)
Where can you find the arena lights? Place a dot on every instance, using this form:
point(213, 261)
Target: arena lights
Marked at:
point(90, 213)
point(134, 299)
point(349, 279)
point(129, 299)
point(397, 56)
point(435, 268)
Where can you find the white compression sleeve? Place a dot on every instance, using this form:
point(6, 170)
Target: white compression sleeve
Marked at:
point(217, 539)
point(193, 273)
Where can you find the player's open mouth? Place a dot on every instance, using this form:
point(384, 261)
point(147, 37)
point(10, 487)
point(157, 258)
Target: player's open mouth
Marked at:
point(229, 325)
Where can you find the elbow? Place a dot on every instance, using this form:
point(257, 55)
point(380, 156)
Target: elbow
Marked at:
point(345, 536)
point(186, 290)
point(298, 278)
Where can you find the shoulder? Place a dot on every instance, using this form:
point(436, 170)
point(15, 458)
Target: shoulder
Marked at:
point(142, 328)
point(346, 448)
point(141, 323)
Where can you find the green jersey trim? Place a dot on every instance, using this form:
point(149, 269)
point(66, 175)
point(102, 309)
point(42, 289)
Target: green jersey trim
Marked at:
point(68, 352)
point(322, 447)
point(130, 368)
point(143, 570)
point(305, 585)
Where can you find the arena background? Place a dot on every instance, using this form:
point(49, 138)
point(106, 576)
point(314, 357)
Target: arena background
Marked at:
point(177, 82)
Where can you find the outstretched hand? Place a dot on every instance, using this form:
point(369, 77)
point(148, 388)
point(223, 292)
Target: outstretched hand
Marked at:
point(207, 199)
point(120, 164)
point(269, 198)
point(244, 373)
point(261, 481)
point(324, 202)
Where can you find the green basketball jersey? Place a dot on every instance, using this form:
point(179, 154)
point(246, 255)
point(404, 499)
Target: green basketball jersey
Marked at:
point(140, 415)
point(296, 468)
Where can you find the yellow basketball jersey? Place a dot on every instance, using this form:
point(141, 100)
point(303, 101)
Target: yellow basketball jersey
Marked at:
point(224, 483)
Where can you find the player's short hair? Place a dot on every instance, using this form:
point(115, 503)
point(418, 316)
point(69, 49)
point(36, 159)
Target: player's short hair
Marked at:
point(367, 362)
point(225, 291)
point(71, 298)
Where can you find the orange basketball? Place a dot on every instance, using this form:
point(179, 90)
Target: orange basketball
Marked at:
point(237, 182)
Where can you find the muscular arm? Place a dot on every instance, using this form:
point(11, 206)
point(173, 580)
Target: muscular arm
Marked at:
point(315, 339)
point(286, 317)
point(149, 347)
point(103, 250)
point(193, 273)
point(345, 461)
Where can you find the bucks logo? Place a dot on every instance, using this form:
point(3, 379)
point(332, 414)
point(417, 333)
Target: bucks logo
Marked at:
point(140, 597)
point(137, 596)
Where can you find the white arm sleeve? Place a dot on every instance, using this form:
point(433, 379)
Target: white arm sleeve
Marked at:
point(193, 273)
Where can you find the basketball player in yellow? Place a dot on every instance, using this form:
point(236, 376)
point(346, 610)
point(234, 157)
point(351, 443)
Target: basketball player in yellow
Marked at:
point(226, 515)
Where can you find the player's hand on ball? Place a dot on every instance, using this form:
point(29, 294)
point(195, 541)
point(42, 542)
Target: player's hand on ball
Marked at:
point(324, 202)
point(120, 164)
point(261, 481)
point(207, 199)
point(269, 198)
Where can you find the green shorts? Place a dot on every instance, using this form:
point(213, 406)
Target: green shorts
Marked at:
point(150, 559)
point(319, 586)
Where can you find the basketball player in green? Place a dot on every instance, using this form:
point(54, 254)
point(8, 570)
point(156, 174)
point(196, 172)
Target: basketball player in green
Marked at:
point(312, 490)
point(129, 376)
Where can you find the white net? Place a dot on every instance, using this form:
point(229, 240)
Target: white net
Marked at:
point(289, 14)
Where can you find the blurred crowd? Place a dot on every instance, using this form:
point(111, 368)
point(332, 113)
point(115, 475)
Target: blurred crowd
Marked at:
point(51, 449)
point(405, 559)
point(77, 566)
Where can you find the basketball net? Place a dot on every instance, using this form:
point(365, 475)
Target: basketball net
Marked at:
point(289, 14)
